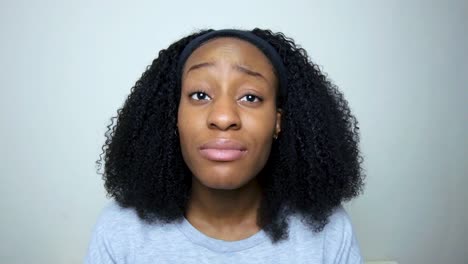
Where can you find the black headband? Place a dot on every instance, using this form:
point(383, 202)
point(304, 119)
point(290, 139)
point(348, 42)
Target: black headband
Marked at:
point(260, 43)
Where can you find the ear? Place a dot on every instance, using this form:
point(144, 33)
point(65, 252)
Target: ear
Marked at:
point(279, 112)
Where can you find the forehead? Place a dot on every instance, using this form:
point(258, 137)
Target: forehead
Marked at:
point(234, 50)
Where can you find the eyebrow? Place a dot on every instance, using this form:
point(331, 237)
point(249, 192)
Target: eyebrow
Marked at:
point(237, 67)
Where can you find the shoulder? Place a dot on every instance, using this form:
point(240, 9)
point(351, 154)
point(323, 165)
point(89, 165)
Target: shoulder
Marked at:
point(113, 235)
point(340, 242)
point(339, 222)
point(116, 222)
point(115, 216)
point(335, 244)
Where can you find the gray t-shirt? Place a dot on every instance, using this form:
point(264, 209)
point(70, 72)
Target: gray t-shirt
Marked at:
point(120, 236)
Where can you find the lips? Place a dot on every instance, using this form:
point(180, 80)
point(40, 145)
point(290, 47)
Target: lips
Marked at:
point(223, 150)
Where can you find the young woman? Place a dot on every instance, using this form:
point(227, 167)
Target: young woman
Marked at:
point(233, 147)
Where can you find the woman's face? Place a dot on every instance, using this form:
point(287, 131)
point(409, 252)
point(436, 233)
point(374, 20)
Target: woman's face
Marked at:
point(227, 115)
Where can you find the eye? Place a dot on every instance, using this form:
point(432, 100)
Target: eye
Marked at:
point(251, 98)
point(199, 96)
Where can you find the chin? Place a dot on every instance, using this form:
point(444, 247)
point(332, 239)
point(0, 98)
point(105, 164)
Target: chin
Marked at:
point(223, 182)
point(225, 187)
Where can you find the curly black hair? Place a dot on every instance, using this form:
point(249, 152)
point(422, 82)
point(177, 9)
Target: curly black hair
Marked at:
point(314, 165)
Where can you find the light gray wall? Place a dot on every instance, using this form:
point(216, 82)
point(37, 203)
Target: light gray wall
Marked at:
point(67, 66)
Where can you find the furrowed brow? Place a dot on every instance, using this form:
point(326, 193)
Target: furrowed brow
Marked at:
point(200, 65)
point(236, 67)
point(242, 69)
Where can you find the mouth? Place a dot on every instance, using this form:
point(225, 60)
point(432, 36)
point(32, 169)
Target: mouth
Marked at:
point(223, 150)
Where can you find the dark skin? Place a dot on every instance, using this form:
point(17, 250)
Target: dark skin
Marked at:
point(227, 121)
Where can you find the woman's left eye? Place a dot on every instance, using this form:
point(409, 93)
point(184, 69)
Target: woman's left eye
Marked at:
point(251, 98)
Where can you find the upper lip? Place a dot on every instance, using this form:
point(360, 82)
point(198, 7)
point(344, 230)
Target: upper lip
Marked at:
point(223, 143)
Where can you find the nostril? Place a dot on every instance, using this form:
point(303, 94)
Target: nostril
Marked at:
point(224, 125)
point(224, 115)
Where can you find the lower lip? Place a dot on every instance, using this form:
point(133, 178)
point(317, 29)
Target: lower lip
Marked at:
point(222, 154)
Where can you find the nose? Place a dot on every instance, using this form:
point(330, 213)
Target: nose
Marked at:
point(224, 115)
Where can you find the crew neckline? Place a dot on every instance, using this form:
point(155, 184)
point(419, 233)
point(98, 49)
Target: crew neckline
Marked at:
point(219, 245)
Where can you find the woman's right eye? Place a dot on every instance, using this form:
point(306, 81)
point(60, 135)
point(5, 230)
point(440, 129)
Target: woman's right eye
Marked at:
point(199, 96)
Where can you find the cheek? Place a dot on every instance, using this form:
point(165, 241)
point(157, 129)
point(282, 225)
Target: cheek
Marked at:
point(190, 126)
point(184, 122)
point(187, 119)
point(261, 129)
point(183, 128)
point(261, 126)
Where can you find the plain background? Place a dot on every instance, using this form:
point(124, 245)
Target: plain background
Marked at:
point(67, 66)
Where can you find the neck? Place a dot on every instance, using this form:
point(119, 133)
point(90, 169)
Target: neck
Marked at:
point(224, 213)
